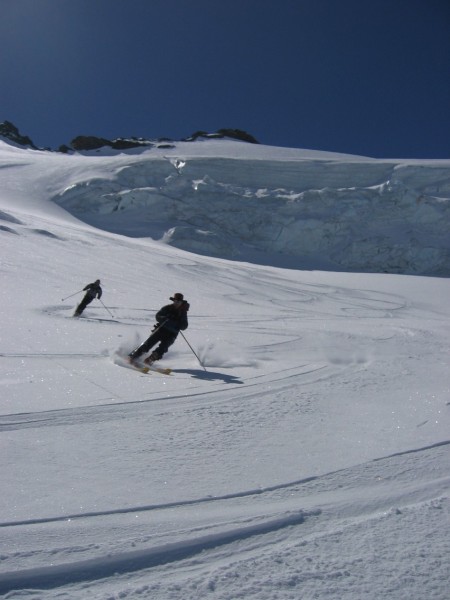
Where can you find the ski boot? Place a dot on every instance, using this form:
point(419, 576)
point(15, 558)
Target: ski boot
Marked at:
point(133, 359)
point(151, 359)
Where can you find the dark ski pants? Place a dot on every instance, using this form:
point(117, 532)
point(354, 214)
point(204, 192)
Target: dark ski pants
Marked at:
point(86, 300)
point(162, 335)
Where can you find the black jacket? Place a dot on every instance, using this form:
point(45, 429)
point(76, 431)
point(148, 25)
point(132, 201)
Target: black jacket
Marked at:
point(93, 289)
point(172, 318)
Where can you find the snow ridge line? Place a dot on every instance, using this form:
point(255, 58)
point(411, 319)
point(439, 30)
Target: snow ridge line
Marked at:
point(209, 499)
point(149, 507)
point(106, 566)
point(413, 450)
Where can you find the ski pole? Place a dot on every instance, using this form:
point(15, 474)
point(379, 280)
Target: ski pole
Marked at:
point(184, 337)
point(67, 297)
point(107, 309)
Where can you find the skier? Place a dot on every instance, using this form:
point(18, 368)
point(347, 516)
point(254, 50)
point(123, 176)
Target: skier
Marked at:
point(170, 320)
point(92, 290)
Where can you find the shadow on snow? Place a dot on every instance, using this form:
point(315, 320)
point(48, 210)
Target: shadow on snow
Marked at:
point(209, 375)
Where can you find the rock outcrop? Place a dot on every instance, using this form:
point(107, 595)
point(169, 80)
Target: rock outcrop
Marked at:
point(12, 134)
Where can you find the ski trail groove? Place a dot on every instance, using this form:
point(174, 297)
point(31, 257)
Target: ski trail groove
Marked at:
point(115, 410)
point(107, 566)
point(224, 497)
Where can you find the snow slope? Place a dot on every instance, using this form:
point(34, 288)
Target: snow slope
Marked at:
point(306, 457)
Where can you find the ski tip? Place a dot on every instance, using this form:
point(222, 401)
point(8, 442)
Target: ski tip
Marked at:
point(162, 370)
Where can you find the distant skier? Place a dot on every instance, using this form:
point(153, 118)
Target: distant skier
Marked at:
point(92, 290)
point(170, 320)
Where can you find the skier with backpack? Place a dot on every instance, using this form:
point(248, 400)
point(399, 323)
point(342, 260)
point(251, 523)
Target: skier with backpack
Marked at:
point(170, 320)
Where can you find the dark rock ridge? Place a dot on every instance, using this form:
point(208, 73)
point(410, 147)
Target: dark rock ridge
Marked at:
point(91, 142)
point(235, 134)
point(83, 142)
point(11, 133)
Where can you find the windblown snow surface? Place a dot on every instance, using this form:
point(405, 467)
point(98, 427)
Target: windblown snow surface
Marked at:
point(304, 454)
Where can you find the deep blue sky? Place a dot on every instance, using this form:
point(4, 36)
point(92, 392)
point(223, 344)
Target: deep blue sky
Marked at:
point(369, 77)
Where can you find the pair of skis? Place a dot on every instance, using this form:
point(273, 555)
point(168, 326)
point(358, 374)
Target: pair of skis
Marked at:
point(142, 368)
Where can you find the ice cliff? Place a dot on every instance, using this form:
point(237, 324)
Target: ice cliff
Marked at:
point(313, 211)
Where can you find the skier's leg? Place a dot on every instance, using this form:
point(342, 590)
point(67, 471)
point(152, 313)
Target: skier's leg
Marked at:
point(167, 339)
point(79, 309)
point(145, 346)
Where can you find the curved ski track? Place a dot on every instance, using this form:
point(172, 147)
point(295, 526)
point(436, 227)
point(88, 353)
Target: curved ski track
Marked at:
point(315, 491)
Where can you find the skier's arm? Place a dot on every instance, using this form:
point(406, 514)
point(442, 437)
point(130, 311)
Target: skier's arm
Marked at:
point(183, 321)
point(162, 314)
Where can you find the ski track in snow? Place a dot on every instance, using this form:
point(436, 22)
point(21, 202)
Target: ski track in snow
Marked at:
point(237, 495)
point(333, 493)
point(108, 566)
point(119, 410)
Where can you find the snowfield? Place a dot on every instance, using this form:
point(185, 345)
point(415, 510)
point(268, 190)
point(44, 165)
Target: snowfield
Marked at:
point(306, 457)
